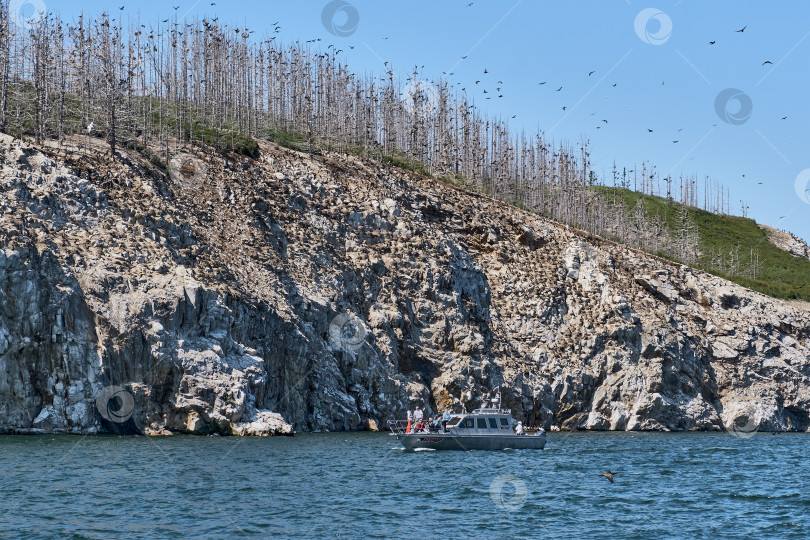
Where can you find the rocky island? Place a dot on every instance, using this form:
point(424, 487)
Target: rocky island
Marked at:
point(290, 291)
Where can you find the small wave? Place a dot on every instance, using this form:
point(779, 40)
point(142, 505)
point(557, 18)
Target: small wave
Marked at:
point(761, 497)
point(424, 449)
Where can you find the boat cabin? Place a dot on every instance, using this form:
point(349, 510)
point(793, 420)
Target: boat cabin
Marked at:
point(482, 422)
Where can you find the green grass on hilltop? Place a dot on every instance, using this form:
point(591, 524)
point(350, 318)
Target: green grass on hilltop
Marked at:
point(779, 273)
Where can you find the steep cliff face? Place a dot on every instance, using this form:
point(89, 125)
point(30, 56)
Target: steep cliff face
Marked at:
point(250, 296)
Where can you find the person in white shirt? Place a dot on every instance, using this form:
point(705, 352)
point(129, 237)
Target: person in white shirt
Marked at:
point(417, 415)
point(519, 428)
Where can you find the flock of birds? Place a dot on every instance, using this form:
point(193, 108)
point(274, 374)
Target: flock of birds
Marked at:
point(613, 85)
point(488, 94)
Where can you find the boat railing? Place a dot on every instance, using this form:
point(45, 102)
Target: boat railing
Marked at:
point(400, 427)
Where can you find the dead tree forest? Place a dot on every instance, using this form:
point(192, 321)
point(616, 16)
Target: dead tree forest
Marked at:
point(152, 88)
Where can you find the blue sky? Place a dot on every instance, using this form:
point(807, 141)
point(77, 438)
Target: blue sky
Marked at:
point(523, 43)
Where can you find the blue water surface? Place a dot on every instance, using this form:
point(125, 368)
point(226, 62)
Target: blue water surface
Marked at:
point(356, 485)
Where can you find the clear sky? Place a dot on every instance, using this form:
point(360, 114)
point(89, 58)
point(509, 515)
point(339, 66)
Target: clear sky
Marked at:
point(667, 74)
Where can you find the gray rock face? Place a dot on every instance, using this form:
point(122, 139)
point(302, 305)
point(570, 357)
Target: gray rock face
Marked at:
point(254, 297)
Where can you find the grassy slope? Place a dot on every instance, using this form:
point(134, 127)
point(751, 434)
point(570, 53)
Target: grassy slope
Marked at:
point(780, 274)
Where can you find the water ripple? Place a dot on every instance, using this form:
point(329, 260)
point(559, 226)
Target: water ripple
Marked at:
point(362, 485)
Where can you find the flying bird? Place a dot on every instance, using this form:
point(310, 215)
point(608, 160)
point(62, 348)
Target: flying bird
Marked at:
point(605, 121)
point(676, 142)
point(471, 3)
point(514, 116)
point(614, 85)
point(712, 42)
point(558, 89)
point(591, 73)
point(485, 70)
point(176, 7)
point(784, 118)
point(563, 107)
point(767, 62)
point(649, 130)
point(609, 475)
point(742, 29)
point(542, 83)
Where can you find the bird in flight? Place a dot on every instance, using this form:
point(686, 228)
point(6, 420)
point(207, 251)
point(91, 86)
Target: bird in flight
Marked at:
point(712, 42)
point(514, 116)
point(558, 89)
point(542, 83)
point(471, 3)
point(742, 29)
point(564, 107)
point(605, 121)
point(767, 62)
point(649, 130)
point(176, 7)
point(485, 70)
point(591, 73)
point(676, 142)
point(614, 85)
point(784, 118)
point(609, 475)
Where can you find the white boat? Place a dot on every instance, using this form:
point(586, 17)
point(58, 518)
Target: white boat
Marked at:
point(483, 429)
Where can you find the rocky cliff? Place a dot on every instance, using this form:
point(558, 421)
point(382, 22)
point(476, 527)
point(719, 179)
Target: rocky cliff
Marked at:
point(254, 296)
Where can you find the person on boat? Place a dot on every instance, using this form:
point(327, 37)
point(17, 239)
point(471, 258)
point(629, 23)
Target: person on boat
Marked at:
point(417, 415)
point(445, 419)
point(519, 428)
point(410, 420)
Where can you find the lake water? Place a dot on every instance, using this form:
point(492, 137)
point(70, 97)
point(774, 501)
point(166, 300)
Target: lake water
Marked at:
point(363, 485)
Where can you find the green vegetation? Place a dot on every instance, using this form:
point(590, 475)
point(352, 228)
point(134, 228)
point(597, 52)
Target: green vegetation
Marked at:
point(404, 162)
point(778, 273)
point(20, 110)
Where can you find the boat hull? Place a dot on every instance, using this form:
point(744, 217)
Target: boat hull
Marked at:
point(448, 441)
